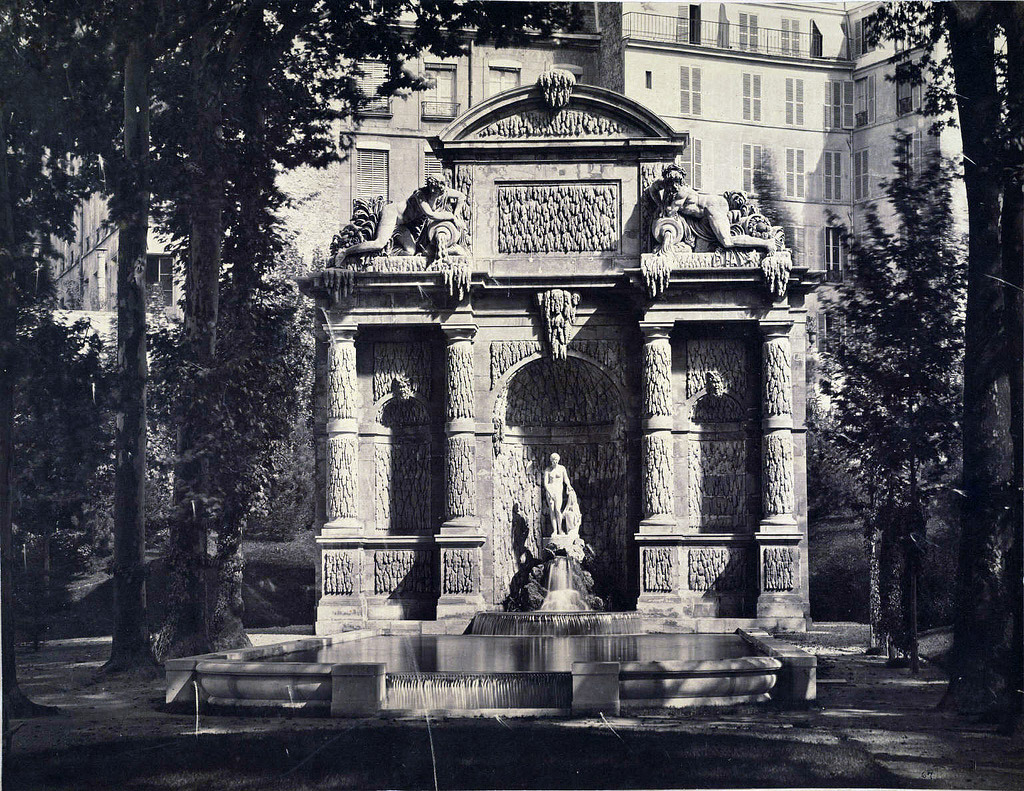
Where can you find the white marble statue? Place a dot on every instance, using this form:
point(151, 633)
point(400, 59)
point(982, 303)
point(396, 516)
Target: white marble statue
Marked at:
point(563, 509)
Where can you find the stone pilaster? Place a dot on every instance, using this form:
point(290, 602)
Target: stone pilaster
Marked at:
point(459, 542)
point(657, 450)
point(778, 539)
point(342, 433)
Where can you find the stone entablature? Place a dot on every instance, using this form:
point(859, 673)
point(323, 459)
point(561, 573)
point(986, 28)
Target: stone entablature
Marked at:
point(515, 317)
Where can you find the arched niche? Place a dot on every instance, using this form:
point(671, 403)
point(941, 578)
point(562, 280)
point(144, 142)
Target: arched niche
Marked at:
point(402, 454)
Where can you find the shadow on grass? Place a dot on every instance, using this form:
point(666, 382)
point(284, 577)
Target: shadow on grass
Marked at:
point(470, 754)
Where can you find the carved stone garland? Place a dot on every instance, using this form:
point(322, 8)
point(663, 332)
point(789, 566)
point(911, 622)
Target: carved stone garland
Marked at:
point(657, 442)
point(558, 314)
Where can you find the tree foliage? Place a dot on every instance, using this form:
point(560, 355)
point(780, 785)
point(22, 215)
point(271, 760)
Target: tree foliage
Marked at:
point(897, 374)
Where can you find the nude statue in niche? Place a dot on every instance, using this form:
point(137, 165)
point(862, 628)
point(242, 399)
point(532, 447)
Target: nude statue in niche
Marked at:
point(560, 499)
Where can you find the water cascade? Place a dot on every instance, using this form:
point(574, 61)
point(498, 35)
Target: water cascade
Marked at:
point(562, 596)
point(474, 691)
point(555, 624)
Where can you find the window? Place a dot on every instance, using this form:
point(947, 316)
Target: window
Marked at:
point(796, 180)
point(908, 97)
point(865, 90)
point(830, 330)
point(839, 104)
point(371, 174)
point(748, 31)
point(432, 167)
point(689, 90)
point(693, 163)
point(160, 274)
point(688, 24)
point(648, 81)
point(834, 255)
point(860, 174)
point(796, 242)
point(753, 159)
point(789, 37)
point(439, 101)
point(502, 78)
point(832, 166)
point(861, 34)
point(794, 102)
point(375, 74)
point(914, 152)
point(817, 42)
point(751, 97)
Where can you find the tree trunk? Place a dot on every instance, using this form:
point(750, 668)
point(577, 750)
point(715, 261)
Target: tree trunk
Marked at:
point(131, 649)
point(982, 650)
point(15, 704)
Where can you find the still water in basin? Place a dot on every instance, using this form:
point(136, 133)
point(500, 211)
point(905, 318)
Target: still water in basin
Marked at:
point(489, 654)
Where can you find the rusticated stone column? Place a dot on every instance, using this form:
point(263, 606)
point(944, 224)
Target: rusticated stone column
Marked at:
point(658, 500)
point(342, 431)
point(777, 488)
point(460, 467)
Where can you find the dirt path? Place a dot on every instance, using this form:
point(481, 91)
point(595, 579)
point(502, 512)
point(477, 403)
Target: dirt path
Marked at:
point(882, 712)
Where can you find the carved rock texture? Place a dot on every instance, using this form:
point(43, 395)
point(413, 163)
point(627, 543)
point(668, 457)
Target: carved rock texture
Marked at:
point(598, 474)
point(725, 356)
point(778, 568)
point(777, 475)
point(460, 380)
point(716, 409)
point(609, 353)
point(398, 572)
point(566, 123)
point(402, 488)
point(776, 268)
point(455, 273)
point(341, 477)
point(460, 491)
point(657, 569)
point(778, 378)
point(717, 483)
point(657, 270)
point(399, 413)
point(556, 85)
point(341, 379)
point(649, 173)
point(457, 571)
point(505, 354)
point(405, 363)
point(463, 182)
point(567, 392)
point(657, 378)
point(657, 474)
point(717, 569)
point(558, 218)
point(339, 572)
point(558, 315)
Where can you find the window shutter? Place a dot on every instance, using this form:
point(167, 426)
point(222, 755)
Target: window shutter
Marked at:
point(871, 99)
point(789, 100)
point(790, 176)
point(795, 43)
point(746, 97)
point(848, 103)
point(432, 167)
point(371, 174)
point(801, 179)
point(697, 165)
point(827, 180)
point(756, 100)
point(695, 90)
point(684, 90)
point(799, 102)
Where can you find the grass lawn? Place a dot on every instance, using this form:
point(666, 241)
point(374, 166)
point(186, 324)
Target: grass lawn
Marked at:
point(469, 754)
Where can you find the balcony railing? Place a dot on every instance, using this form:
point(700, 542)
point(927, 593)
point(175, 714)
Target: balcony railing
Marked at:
point(723, 36)
point(379, 106)
point(439, 109)
point(861, 119)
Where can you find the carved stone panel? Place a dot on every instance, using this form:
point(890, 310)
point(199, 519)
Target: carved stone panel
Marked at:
point(609, 353)
point(463, 182)
point(398, 572)
point(341, 477)
point(460, 380)
point(566, 392)
point(339, 572)
point(726, 358)
point(341, 379)
point(656, 564)
point(778, 378)
point(657, 478)
point(717, 569)
point(777, 475)
point(558, 218)
point(405, 364)
point(402, 488)
point(458, 572)
point(460, 491)
point(717, 483)
point(505, 354)
point(778, 568)
point(658, 378)
point(566, 123)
